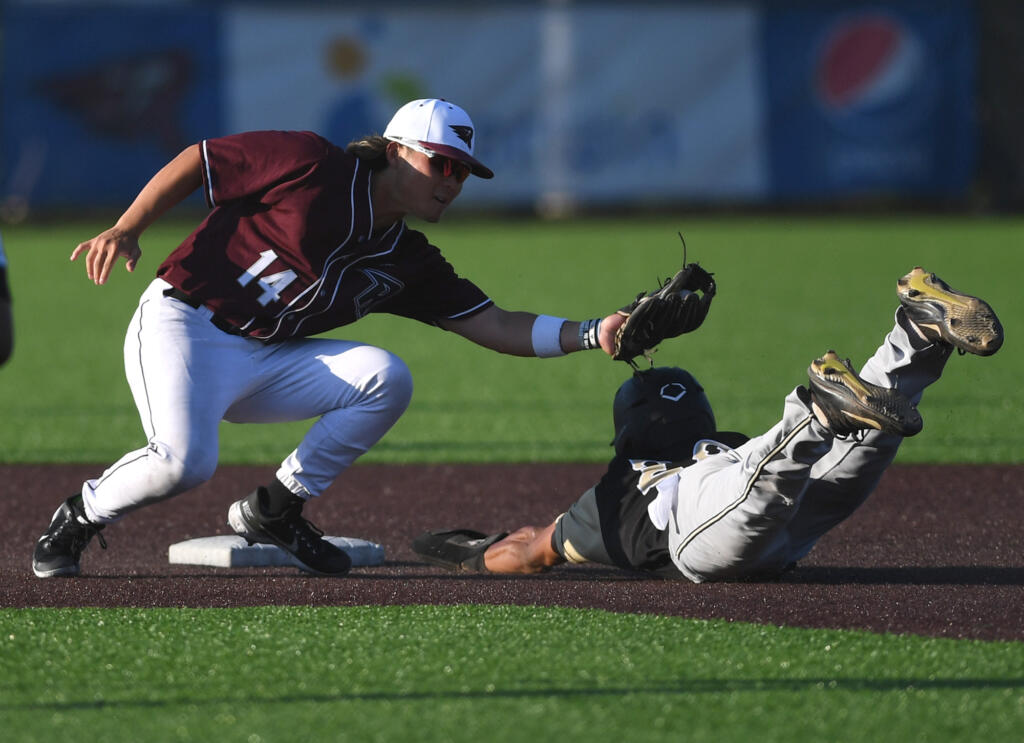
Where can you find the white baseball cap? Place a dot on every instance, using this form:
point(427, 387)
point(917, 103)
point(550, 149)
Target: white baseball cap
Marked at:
point(434, 126)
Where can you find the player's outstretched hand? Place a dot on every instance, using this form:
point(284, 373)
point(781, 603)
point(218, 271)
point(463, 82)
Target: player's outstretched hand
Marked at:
point(609, 331)
point(103, 250)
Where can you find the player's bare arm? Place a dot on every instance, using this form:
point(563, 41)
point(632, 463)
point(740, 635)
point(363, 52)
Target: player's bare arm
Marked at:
point(526, 550)
point(171, 185)
point(515, 333)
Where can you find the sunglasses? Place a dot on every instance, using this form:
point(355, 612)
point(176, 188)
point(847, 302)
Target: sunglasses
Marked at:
point(447, 166)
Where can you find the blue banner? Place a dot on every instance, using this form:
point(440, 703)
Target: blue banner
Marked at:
point(97, 98)
point(870, 100)
point(769, 102)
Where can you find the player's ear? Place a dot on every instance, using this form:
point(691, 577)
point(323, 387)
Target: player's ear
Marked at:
point(391, 152)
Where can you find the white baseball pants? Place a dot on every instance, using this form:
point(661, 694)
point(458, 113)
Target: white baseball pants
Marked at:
point(186, 376)
point(764, 505)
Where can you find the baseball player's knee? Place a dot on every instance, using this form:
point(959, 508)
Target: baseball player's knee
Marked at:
point(386, 378)
point(174, 472)
point(398, 379)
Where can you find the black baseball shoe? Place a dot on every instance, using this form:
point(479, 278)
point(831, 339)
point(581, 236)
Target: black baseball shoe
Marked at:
point(845, 403)
point(60, 548)
point(943, 314)
point(292, 533)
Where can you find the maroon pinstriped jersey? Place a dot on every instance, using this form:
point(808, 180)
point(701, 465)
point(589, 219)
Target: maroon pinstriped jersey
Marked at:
point(288, 248)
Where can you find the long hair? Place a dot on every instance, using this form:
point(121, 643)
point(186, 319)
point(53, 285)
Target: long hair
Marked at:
point(370, 149)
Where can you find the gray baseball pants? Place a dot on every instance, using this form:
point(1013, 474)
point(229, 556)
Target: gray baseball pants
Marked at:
point(762, 506)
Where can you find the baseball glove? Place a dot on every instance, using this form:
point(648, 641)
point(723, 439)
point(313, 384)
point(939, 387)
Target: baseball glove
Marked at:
point(455, 549)
point(669, 311)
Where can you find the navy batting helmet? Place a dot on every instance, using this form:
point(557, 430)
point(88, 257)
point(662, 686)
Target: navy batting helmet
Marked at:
point(661, 413)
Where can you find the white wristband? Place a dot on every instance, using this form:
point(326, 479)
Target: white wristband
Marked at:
point(547, 331)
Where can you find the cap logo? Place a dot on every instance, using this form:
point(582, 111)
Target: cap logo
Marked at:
point(673, 391)
point(465, 133)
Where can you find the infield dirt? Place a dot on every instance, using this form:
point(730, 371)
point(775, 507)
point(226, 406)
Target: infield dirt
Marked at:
point(937, 550)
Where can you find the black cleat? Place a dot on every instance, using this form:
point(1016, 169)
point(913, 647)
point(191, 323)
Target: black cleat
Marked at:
point(846, 403)
point(944, 314)
point(60, 548)
point(292, 533)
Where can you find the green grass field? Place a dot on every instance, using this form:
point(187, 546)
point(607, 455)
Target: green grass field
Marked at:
point(476, 673)
point(789, 289)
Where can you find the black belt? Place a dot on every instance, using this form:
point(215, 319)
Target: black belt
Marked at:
point(176, 293)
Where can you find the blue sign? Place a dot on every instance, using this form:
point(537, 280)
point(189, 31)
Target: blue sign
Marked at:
point(97, 99)
point(870, 100)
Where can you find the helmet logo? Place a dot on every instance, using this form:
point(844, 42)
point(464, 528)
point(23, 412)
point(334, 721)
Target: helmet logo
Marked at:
point(673, 391)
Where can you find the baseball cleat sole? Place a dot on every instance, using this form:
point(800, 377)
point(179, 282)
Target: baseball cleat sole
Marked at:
point(944, 314)
point(66, 571)
point(848, 404)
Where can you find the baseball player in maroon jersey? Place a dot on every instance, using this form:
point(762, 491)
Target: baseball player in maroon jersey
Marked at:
point(302, 237)
point(6, 326)
point(682, 499)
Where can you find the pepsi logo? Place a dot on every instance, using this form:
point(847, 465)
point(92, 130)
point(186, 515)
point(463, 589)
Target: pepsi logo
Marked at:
point(874, 76)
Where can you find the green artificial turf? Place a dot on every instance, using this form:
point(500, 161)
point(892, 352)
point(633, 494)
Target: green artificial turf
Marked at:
point(472, 673)
point(790, 287)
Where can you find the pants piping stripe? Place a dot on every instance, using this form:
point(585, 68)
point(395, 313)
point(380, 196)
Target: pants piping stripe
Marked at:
point(149, 409)
point(142, 371)
point(746, 490)
point(115, 469)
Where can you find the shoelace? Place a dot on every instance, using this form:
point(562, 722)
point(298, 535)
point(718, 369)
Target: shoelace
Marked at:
point(77, 534)
point(310, 534)
point(305, 531)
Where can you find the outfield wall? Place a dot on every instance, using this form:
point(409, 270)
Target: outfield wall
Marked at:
point(576, 104)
